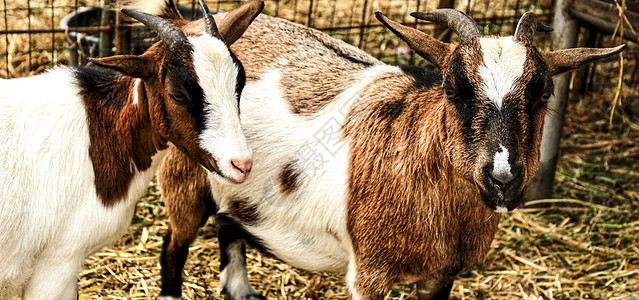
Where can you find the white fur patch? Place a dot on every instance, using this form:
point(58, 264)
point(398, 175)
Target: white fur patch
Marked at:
point(136, 85)
point(295, 233)
point(234, 277)
point(306, 227)
point(424, 292)
point(504, 60)
point(154, 7)
point(501, 209)
point(217, 73)
point(351, 277)
point(501, 166)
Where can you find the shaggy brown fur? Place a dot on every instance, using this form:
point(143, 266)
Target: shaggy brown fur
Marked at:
point(410, 215)
point(186, 181)
point(120, 132)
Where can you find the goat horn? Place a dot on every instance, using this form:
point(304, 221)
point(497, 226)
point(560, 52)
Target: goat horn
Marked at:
point(528, 24)
point(456, 20)
point(211, 27)
point(169, 33)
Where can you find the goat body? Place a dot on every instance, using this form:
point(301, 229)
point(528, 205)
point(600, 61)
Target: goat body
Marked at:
point(79, 146)
point(52, 215)
point(378, 171)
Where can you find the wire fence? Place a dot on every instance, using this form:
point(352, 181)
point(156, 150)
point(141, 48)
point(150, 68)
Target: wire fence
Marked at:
point(37, 34)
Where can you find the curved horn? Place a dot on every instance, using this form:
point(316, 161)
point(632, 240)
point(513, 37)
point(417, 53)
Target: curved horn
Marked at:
point(456, 20)
point(528, 24)
point(169, 33)
point(211, 27)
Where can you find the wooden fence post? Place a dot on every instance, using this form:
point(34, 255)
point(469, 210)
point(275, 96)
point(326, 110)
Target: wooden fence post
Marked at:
point(106, 38)
point(564, 36)
point(122, 35)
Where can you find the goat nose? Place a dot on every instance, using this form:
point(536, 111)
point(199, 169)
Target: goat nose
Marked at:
point(243, 165)
point(504, 176)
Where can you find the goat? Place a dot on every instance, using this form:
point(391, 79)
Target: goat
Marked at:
point(78, 146)
point(389, 174)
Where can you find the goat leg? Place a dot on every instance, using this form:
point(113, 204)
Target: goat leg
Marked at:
point(189, 206)
point(233, 275)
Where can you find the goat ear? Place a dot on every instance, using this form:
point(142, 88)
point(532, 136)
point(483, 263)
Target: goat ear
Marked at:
point(237, 20)
point(138, 66)
point(426, 46)
point(561, 61)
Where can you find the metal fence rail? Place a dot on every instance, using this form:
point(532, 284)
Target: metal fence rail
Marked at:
point(31, 38)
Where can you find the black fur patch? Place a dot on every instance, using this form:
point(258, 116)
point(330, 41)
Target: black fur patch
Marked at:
point(289, 179)
point(444, 293)
point(241, 78)
point(465, 101)
point(102, 86)
point(183, 85)
point(230, 230)
point(243, 210)
point(423, 79)
point(172, 270)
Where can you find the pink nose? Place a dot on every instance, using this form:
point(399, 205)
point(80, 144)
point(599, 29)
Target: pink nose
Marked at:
point(243, 165)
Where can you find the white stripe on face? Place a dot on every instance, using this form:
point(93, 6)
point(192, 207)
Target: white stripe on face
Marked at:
point(217, 74)
point(501, 166)
point(504, 60)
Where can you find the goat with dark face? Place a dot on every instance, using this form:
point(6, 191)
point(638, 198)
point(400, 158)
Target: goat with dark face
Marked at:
point(497, 90)
point(413, 181)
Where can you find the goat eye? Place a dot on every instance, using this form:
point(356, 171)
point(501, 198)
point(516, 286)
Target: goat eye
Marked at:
point(546, 96)
point(450, 93)
point(179, 99)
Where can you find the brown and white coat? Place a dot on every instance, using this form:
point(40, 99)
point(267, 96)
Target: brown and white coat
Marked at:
point(78, 147)
point(390, 174)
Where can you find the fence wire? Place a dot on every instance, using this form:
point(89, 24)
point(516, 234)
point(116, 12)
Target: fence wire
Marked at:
point(32, 38)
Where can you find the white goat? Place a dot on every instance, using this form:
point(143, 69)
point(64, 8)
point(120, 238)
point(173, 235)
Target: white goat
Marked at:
point(78, 147)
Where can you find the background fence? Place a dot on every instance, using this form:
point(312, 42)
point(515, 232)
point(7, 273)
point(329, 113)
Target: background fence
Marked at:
point(32, 38)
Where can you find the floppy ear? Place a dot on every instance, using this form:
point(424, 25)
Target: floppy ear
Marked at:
point(426, 46)
point(237, 20)
point(561, 61)
point(138, 66)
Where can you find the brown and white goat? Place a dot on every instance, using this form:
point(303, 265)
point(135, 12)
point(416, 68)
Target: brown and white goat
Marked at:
point(78, 147)
point(390, 174)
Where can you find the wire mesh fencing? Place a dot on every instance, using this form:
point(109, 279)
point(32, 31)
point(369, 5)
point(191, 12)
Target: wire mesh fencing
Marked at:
point(37, 34)
point(30, 36)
